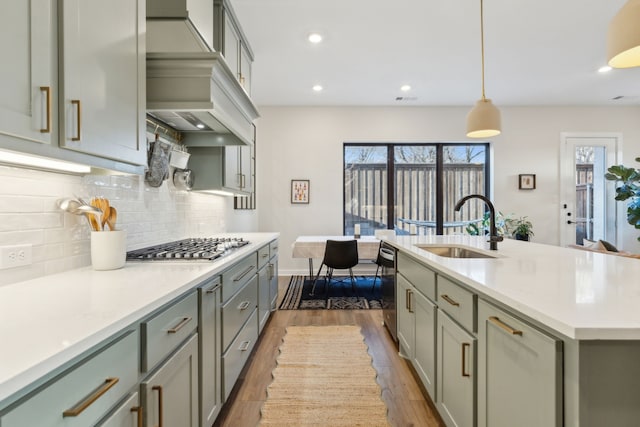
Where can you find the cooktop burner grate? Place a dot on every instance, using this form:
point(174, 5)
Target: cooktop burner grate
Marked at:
point(191, 249)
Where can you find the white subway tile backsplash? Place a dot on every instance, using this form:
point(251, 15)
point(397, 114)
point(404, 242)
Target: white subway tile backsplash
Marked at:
point(61, 241)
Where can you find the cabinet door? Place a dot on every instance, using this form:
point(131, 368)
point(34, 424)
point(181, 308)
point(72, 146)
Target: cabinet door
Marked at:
point(519, 372)
point(231, 45)
point(210, 351)
point(406, 318)
point(245, 68)
point(102, 55)
point(171, 393)
point(264, 302)
point(273, 282)
point(27, 71)
point(128, 414)
point(246, 168)
point(232, 172)
point(456, 383)
point(424, 360)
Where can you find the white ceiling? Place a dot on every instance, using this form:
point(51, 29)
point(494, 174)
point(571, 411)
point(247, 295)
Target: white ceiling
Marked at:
point(537, 52)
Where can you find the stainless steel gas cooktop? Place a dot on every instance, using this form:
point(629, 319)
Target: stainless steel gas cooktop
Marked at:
point(192, 249)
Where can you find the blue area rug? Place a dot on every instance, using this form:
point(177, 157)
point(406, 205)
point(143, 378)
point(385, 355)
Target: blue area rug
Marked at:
point(340, 294)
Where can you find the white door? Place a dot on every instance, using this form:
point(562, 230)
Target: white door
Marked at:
point(588, 209)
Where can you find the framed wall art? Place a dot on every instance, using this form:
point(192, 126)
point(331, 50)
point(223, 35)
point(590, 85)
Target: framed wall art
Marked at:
point(526, 181)
point(299, 191)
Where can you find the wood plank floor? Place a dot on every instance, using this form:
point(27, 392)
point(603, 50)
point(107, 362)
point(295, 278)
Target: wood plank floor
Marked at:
point(400, 389)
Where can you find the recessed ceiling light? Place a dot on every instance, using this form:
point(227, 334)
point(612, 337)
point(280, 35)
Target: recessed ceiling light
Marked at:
point(315, 38)
point(604, 69)
point(200, 126)
point(317, 88)
point(405, 88)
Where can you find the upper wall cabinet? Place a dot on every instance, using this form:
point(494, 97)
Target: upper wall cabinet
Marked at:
point(102, 80)
point(232, 43)
point(27, 74)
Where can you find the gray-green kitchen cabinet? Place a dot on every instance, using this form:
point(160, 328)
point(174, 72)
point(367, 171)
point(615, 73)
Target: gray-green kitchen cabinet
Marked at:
point(84, 394)
point(210, 351)
point(27, 75)
point(264, 301)
point(519, 372)
point(170, 393)
point(102, 78)
point(456, 383)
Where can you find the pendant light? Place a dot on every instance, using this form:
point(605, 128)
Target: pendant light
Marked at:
point(623, 41)
point(483, 121)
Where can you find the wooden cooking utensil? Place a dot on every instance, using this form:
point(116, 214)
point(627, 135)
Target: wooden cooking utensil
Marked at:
point(111, 219)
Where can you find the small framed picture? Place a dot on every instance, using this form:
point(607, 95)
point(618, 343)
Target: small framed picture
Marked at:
point(526, 181)
point(299, 191)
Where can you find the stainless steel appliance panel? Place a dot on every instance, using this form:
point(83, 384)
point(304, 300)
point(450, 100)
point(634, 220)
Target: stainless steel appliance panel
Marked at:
point(388, 278)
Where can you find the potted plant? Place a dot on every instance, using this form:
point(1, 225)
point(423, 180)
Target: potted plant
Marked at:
point(503, 225)
point(523, 229)
point(629, 189)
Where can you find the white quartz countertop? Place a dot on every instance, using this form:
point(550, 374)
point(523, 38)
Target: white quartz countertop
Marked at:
point(582, 295)
point(46, 322)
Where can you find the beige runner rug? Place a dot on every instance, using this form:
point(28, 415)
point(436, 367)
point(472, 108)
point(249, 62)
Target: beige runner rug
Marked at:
point(324, 377)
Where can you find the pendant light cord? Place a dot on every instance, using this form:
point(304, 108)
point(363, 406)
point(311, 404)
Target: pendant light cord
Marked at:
point(482, 43)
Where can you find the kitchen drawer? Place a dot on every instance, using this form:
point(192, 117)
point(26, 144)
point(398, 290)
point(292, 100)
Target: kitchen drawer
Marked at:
point(263, 256)
point(237, 310)
point(273, 248)
point(99, 383)
point(458, 303)
point(421, 277)
point(167, 330)
point(236, 356)
point(234, 278)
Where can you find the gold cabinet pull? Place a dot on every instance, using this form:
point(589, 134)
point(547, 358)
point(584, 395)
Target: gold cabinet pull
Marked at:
point(47, 93)
point(244, 273)
point(243, 305)
point(180, 325)
point(81, 406)
point(499, 323)
point(138, 411)
point(465, 345)
point(158, 388)
point(448, 299)
point(244, 346)
point(410, 299)
point(213, 289)
point(76, 102)
point(265, 255)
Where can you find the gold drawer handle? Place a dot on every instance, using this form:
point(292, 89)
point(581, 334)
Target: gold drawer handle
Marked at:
point(275, 249)
point(47, 92)
point(448, 299)
point(76, 102)
point(244, 273)
point(499, 323)
point(244, 346)
point(265, 255)
point(158, 388)
point(465, 345)
point(138, 411)
point(81, 406)
point(180, 325)
point(244, 305)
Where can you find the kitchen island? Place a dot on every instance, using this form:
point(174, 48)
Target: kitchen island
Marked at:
point(534, 335)
point(62, 323)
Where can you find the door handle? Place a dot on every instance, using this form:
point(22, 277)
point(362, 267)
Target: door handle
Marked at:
point(76, 102)
point(47, 92)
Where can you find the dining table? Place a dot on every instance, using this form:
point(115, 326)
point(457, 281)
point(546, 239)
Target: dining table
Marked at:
point(313, 247)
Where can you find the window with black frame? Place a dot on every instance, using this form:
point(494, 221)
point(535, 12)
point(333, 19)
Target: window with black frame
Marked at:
point(412, 188)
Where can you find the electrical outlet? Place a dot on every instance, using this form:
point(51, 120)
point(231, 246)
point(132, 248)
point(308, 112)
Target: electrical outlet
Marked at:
point(15, 256)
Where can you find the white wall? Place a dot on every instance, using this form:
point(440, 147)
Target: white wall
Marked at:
point(306, 143)
point(28, 214)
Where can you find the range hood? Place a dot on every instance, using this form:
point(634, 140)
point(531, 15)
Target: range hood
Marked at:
point(197, 94)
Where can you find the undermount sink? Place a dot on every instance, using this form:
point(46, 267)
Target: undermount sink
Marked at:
point(453, 251)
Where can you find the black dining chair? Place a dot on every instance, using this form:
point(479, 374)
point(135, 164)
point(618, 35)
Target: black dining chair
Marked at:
point(338, 255)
